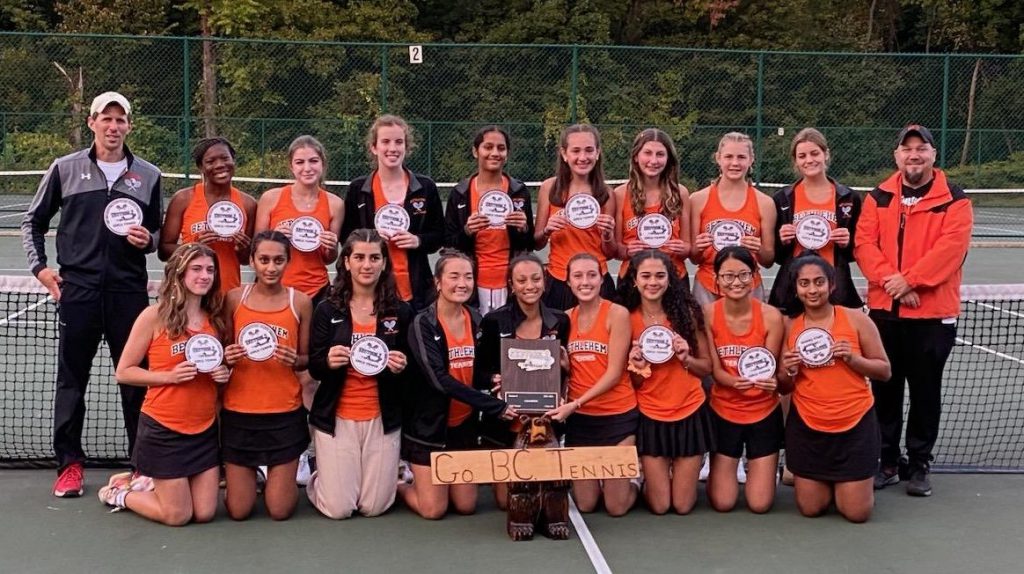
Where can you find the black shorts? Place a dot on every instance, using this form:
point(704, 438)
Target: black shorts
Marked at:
point(164, 453)
point(761, 438)
point(600, 430)
point(461, 437)
point(691, 436)
point(263, 439)
point(558, 295)
point(832, 457)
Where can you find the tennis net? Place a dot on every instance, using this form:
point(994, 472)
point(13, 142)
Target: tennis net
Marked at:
point(983, 395)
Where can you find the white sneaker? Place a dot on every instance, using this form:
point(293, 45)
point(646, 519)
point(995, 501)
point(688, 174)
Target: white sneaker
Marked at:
point(405, 475)
point(741, 472)
point(303, 472)
point(706, 469)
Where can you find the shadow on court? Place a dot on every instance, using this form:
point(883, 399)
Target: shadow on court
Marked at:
point(972, 524)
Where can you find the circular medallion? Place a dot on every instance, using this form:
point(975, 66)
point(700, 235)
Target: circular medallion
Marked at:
point(369, 356)
point(756, 363)
point(306, 233)
point(121, 214)
point(205, 351)
point(225, 218)
point(390, 219)
point(726, 233)
point(582, 210)
point(495, 205)
point(813, 232)
point(259, 341)
point(814, 346)
point(656, 344)
point(654, 229)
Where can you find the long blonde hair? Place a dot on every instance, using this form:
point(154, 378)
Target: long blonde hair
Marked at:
point(173, 294)
point(668, 181)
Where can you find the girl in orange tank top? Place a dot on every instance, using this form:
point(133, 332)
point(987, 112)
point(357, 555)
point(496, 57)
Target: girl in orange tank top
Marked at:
point(730, 212)
point(747, 415)
point(653, 187)
point(177, 441)
point(828, 370)
point(280, 207)
point(579, 172)
point(189, 210)
point(263, 422)
point(675, 428)
point(600, 393)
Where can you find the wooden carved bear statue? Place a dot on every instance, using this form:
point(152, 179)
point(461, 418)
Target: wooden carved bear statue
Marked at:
point(540, 505)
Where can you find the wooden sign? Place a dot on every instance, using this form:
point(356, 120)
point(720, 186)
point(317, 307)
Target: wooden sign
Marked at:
point(530, 374)
point(534, 464)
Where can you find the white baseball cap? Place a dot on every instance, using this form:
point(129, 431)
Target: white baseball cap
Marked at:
point(100, 103)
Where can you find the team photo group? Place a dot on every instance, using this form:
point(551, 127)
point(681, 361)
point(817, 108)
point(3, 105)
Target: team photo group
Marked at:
point(348, 386)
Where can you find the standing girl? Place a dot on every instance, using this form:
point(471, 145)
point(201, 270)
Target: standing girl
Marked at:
point(829, 354)
point(578, 171)
point(730, 211)
point(177, 439)
point(653, 188)
point(357, 416)
point(263, 422)
point(477, 235)
point(189, 212)
point(745, 411)
point(675, 430)
point(443, 406)
point(601, 406)
point(371, 201)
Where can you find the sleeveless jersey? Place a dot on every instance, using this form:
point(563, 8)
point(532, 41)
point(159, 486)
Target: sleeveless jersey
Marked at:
point(305, 271)
point(569, 241)
point(399, 258)
point(750, 405)
point(803, 206)
point(265, 386)
point(749, 218)
point(359, 400)
point(187, 408)
point(461, 352)
point(630, 221)
point(492, 244)
point(832, 398)
point(193, 222)
point(671, 393)
point(588, 360)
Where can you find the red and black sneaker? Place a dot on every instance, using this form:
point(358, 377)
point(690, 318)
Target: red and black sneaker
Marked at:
point(69, 482)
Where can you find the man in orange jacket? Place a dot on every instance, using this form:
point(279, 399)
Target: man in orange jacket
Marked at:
point(911, 241)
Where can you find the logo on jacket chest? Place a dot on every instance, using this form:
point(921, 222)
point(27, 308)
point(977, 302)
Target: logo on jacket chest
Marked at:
point(390, 325)
point(419, 206)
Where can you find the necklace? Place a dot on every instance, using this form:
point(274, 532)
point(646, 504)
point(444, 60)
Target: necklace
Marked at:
point(584, 326)
point(305, 201)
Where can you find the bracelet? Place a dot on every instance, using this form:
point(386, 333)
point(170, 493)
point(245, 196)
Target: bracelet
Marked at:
point(792, 373)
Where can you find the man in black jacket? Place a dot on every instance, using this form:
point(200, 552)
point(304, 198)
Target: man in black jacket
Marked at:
point(110, 208)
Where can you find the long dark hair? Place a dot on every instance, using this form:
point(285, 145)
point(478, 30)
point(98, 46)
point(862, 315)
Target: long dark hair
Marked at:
point(385, 295)
point(521, 258)
point(668, 181)
point(563, 173)
point(793, 305)
point(273, 236)
point(173, 293)
point(682, 310)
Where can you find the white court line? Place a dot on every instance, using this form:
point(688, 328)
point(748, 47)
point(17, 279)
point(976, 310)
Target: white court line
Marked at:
point(1000, 309)
point(25, 310)
point(587, 539)
point(991, 351)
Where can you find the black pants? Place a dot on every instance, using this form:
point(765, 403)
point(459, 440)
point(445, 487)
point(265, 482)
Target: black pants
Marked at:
point(85, 316)
point(917, 351)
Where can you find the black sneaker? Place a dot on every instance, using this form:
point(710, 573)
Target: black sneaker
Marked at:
point(920, 483)
point(888, 475)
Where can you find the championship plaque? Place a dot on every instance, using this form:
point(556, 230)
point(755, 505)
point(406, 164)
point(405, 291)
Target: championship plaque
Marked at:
point(225, 218)
point(756, 363)
point(121, 214)
point(582, 210)
point(656, 344)
point(495, 205)
point(813, 232)
point(205, 351)
point(306, 233)
point(814, 346)
point(726, 233)
point(531, 377)
point(654, 230)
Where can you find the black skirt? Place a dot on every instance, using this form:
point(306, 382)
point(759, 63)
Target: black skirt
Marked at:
point(600, 430)
point(263, 439)
point(832, 457)
point(461, 437)
point(691, 436)
point(164, 453)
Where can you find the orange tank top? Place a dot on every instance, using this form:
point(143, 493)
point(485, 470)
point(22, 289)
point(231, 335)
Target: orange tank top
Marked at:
point(803, 206)
point(399, 257)
point(588, 361)
point(265, 386)
point(187, 408)
point(359, 400)
point(750, 405)
point(629, 226)
point(193, 222)
point(461, 352)
point(305, 271)
point(749, 219)
point(833, 397)
point(671, 393)
point(569, 241)
point(492, 245)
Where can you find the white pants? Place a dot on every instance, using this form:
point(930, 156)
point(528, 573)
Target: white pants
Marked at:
point(491, 299)
point(357, 469)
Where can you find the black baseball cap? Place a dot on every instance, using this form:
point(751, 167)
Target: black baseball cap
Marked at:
point(915, 130)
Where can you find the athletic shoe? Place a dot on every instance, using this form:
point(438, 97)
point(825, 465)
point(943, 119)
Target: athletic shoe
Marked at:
point(887, 476)
point(705, 469)
point(741, 471)
point(305, 469)
point(116, 489)
point(69, 482)
point(920, 484)
point(140, 482)
point(261, 478)
point(405, 475)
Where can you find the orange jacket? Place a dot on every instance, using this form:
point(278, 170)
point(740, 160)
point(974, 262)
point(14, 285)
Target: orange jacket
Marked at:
point(929, 249)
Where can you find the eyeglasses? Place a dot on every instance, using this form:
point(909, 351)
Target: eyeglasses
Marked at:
point(730, 278)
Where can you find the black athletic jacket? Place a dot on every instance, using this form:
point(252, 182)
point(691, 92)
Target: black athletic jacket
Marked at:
point(89, 254)
point(332, 326)
point(429, 397)
point(458, 210)
point(426, 221)
point(848, 205)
